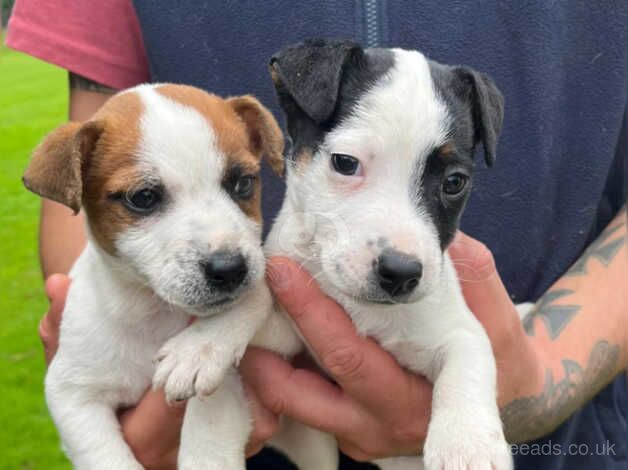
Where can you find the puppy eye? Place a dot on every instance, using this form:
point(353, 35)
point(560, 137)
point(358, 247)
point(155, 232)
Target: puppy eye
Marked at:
point(143, 201)
point(345, 164)
point(244, 186)
point(454, 183)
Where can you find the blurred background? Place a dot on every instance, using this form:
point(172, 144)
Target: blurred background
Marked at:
point(37, 90)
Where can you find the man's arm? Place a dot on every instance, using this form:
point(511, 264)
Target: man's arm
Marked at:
point(61, 234)
point(580, 327)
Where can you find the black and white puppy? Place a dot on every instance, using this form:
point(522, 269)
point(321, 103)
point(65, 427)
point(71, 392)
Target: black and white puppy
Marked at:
point(382, 159)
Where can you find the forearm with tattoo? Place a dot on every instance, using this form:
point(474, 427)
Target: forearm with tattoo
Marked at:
point(555, 325)
point(78, 82)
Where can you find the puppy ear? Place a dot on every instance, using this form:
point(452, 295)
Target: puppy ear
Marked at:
point(265, 136)
point(56, 167)
point(308, 74)
point(487, 104)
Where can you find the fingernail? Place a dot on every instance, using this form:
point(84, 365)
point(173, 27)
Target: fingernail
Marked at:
point(176, 402)
point(278, 275)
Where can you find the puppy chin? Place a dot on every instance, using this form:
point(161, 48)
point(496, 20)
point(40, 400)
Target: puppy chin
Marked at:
point(212, 306)
point(211, 303)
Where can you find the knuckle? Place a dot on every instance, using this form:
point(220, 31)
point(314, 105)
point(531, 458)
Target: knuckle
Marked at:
point(274, 401)
point(344, 361)
point(409, 435)
point(264, 430)
point(482, 258)
point(355, 452)
point(367, 451)
point(309, 304)
point(359, 456)
point(153, 460)
point(43, 331)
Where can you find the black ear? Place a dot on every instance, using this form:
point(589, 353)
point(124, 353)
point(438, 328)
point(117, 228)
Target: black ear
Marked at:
point(487, 104)
point(309, 74)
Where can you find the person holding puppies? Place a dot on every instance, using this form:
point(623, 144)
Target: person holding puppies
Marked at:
point(552, 214)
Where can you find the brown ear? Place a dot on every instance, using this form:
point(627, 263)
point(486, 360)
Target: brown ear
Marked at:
point(55, 170)
point(265, 135)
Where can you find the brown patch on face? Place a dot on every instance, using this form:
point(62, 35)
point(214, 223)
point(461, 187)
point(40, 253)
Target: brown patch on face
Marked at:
point(446, 151)
point(233, 139)
point(112, 170)
point(302, 160)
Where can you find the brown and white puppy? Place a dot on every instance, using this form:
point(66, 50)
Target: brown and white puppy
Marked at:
point(168, 177)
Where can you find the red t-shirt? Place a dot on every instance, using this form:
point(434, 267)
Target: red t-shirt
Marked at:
point(101, 41)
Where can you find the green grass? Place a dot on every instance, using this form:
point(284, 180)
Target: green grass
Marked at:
point(33, 100)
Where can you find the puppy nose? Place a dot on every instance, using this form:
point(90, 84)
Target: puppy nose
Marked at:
point(398, 273)
point(225, 270)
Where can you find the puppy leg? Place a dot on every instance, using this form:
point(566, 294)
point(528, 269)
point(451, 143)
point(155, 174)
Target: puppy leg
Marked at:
point(465, 431)
point(278, 335)
point(195, 361)
point(306, 447)
point(89, 430)
point(216, 428)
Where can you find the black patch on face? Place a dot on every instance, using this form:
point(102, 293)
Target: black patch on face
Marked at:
point(475, 109)
point(443, 209)
point(232, 175)
point(319, 82)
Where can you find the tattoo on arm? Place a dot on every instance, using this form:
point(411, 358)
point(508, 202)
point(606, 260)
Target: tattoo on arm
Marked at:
point(557, 316)
point(529, 418)
point(603, 249)
point(78, 82)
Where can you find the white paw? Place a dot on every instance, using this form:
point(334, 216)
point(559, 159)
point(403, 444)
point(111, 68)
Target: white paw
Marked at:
point(186, 367)
point(455, 444)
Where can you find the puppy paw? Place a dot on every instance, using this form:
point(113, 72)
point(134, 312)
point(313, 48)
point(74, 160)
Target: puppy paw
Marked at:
point(455, 444)
point(188, 368)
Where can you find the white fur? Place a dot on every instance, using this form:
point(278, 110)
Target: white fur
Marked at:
point(121, 309)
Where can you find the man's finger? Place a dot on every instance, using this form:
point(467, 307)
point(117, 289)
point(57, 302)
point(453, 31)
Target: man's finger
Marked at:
point(482, 287)
point(57, 287)
point(153, 428)
point(299, 393)
point(265, 423)
point(359, 365)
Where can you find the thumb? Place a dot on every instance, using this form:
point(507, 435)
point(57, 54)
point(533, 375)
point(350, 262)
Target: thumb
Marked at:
point(481, 285)
point(57, 287)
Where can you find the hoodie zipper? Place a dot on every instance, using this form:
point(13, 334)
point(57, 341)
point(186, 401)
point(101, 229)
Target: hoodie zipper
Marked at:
point(371, 23)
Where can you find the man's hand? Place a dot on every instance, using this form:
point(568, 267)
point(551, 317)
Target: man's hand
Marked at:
point(378, 409)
